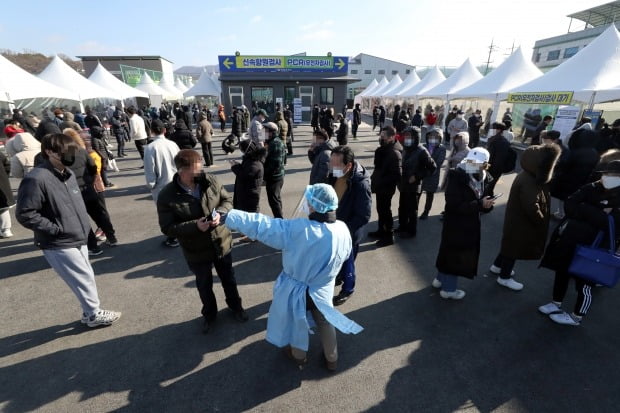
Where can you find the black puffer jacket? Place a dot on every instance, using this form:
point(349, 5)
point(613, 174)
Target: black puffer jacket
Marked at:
point(417, 162)
point(248, 180)
point(182, 136)
point(388, 168)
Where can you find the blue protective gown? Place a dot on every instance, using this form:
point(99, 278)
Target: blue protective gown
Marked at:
point(312, 254)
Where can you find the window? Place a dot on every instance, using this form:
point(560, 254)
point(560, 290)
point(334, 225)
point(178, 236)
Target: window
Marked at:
point(570, 51)
point(553, 55)
point(236, 95)
point(353, 71)
point(262, 98)
point(368, 72)
point(289, 95)
point(408, 71)
point(327, 96)
point(381, 72)
point(394, 72)
point(537, 58)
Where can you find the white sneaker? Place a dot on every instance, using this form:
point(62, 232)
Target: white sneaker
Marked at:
point(6, 233)
point(550, 308)
point(455, 295)
point(565, 319)
point(103, 318)
point(510, 283)
point(436, 283)
point(496, 270)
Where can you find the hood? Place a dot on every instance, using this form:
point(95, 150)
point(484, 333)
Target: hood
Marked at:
point(26, 142)
point(69, 117)
point(464, 141)
point(279, 116)
point(180, 125)
point(359, 172)
point(539, 160)
point(583, 138)
point(202, 116)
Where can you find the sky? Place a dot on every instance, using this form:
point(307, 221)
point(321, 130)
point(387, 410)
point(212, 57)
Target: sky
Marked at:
point(415, 32)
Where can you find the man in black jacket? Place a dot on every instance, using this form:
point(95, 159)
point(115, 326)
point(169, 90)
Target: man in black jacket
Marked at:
point(499, 149)
point(49, 202)
point(357, 120)
point(351, 182)
point(385, 177)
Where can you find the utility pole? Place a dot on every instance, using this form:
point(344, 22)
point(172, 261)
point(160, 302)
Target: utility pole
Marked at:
point(492, 48)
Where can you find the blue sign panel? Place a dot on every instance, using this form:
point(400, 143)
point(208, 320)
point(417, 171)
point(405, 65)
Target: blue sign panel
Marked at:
point(336, 64)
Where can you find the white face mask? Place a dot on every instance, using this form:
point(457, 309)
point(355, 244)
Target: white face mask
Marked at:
point(610, 181)
point(337, 172)
point(459, 116)
point(408, 142)
point(305, 207)
point(492, 132)
point(472, 168)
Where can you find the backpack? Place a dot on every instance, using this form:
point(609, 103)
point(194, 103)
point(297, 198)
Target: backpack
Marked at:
point(511, 161)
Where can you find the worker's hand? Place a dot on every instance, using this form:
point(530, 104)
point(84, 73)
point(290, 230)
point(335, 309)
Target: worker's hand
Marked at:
point(488, 202)
point(203, 224)
point(215, 221)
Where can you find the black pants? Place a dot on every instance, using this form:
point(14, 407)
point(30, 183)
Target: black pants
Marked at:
point(506, 264)
point(474, 140)
point(289, 145)
point(381, 124)
point(408, 212)
point(104, 176)
point(222, 125)
point(120, 143)
point(207, 153)
point(204, 284)
point(273, 196)
point(428, 204)
point(491, 186)
point(140, 144)
point(583, 288)
point(97, 210)
point(384, 210)
point(354, 130)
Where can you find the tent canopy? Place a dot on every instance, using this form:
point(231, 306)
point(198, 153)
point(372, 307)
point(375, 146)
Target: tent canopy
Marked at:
point(593, 68)
point(61, 74)
point(393, 85)
point(369, 88)
point(171, 91)
point(203, 87)
point(148, 86)
point(107, 80)
point(464, 76)
point(431, 79)
point(17, 84)
point(382, 85)
point(408, 83)
point(180, 85)
point(514, 71)
point(216, 81)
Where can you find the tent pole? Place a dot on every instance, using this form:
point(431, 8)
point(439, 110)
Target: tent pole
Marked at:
point(591, 104)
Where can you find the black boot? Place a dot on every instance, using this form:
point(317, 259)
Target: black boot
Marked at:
point(385, 240)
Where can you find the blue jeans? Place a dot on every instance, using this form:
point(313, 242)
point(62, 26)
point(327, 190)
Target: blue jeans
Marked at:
point(347, 272)
point(448, 282)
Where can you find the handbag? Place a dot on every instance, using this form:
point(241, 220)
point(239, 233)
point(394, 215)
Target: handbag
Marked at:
point(595, 264)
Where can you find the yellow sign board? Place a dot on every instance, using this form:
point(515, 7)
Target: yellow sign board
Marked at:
point(543, 98)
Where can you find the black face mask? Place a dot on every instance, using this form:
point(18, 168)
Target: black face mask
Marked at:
point(382, 142)
point(67, 160)
point(200, 178)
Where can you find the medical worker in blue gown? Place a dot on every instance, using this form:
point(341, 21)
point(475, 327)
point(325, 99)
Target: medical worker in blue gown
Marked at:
point(313, 250)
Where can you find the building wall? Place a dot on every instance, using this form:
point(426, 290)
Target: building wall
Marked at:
point(371, 67)
point(545, 50)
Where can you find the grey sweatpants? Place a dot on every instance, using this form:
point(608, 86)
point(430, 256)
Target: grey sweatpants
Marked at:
point(74, 268)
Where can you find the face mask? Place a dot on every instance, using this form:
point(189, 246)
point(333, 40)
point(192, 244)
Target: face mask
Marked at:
point(305, 207)
point(67, 160)
point(472, 168)
point(337, 173)
point(432, 141)
point(200, 178)
point(60, 116)
point(492, 132)
point(459, 116)
point(610, 181)
point(408, 142)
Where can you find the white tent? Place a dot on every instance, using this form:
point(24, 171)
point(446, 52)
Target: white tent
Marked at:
point(595, 67)
point(464, 76)
point(171, 91)
point(514, 71)
point(369, 88)
point(180, 85)
point(431, 79)
point(216, 80)
point(607, 95)
point(148, 86)
point(382, 85)
point(61, 74)
point(17, 84)
point(108, 81)
point(189, 83)
point(408, 83)
point(394, 83)
point(203, 87)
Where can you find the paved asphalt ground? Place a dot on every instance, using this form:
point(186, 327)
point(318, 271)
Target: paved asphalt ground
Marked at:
point(491, 351)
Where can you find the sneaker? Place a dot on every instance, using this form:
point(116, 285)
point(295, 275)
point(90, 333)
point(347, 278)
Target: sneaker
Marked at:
point(6, 233)
point(110, 184)
point(550, 308)
point(301, 363)
point(330, 365)
point(206, 326)
point(565, 319)
point(100, 235)
point(341, 298)
point(172, 243)
point(103, 318)
point(112, 241)
point(455, 295)
point(241, 316)
point(510, 283)
point(95, 251)
point(496, 270)
point(436, 283)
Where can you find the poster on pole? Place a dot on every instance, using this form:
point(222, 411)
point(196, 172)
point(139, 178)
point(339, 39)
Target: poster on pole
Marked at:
point(297, 110)
point(565, 120)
